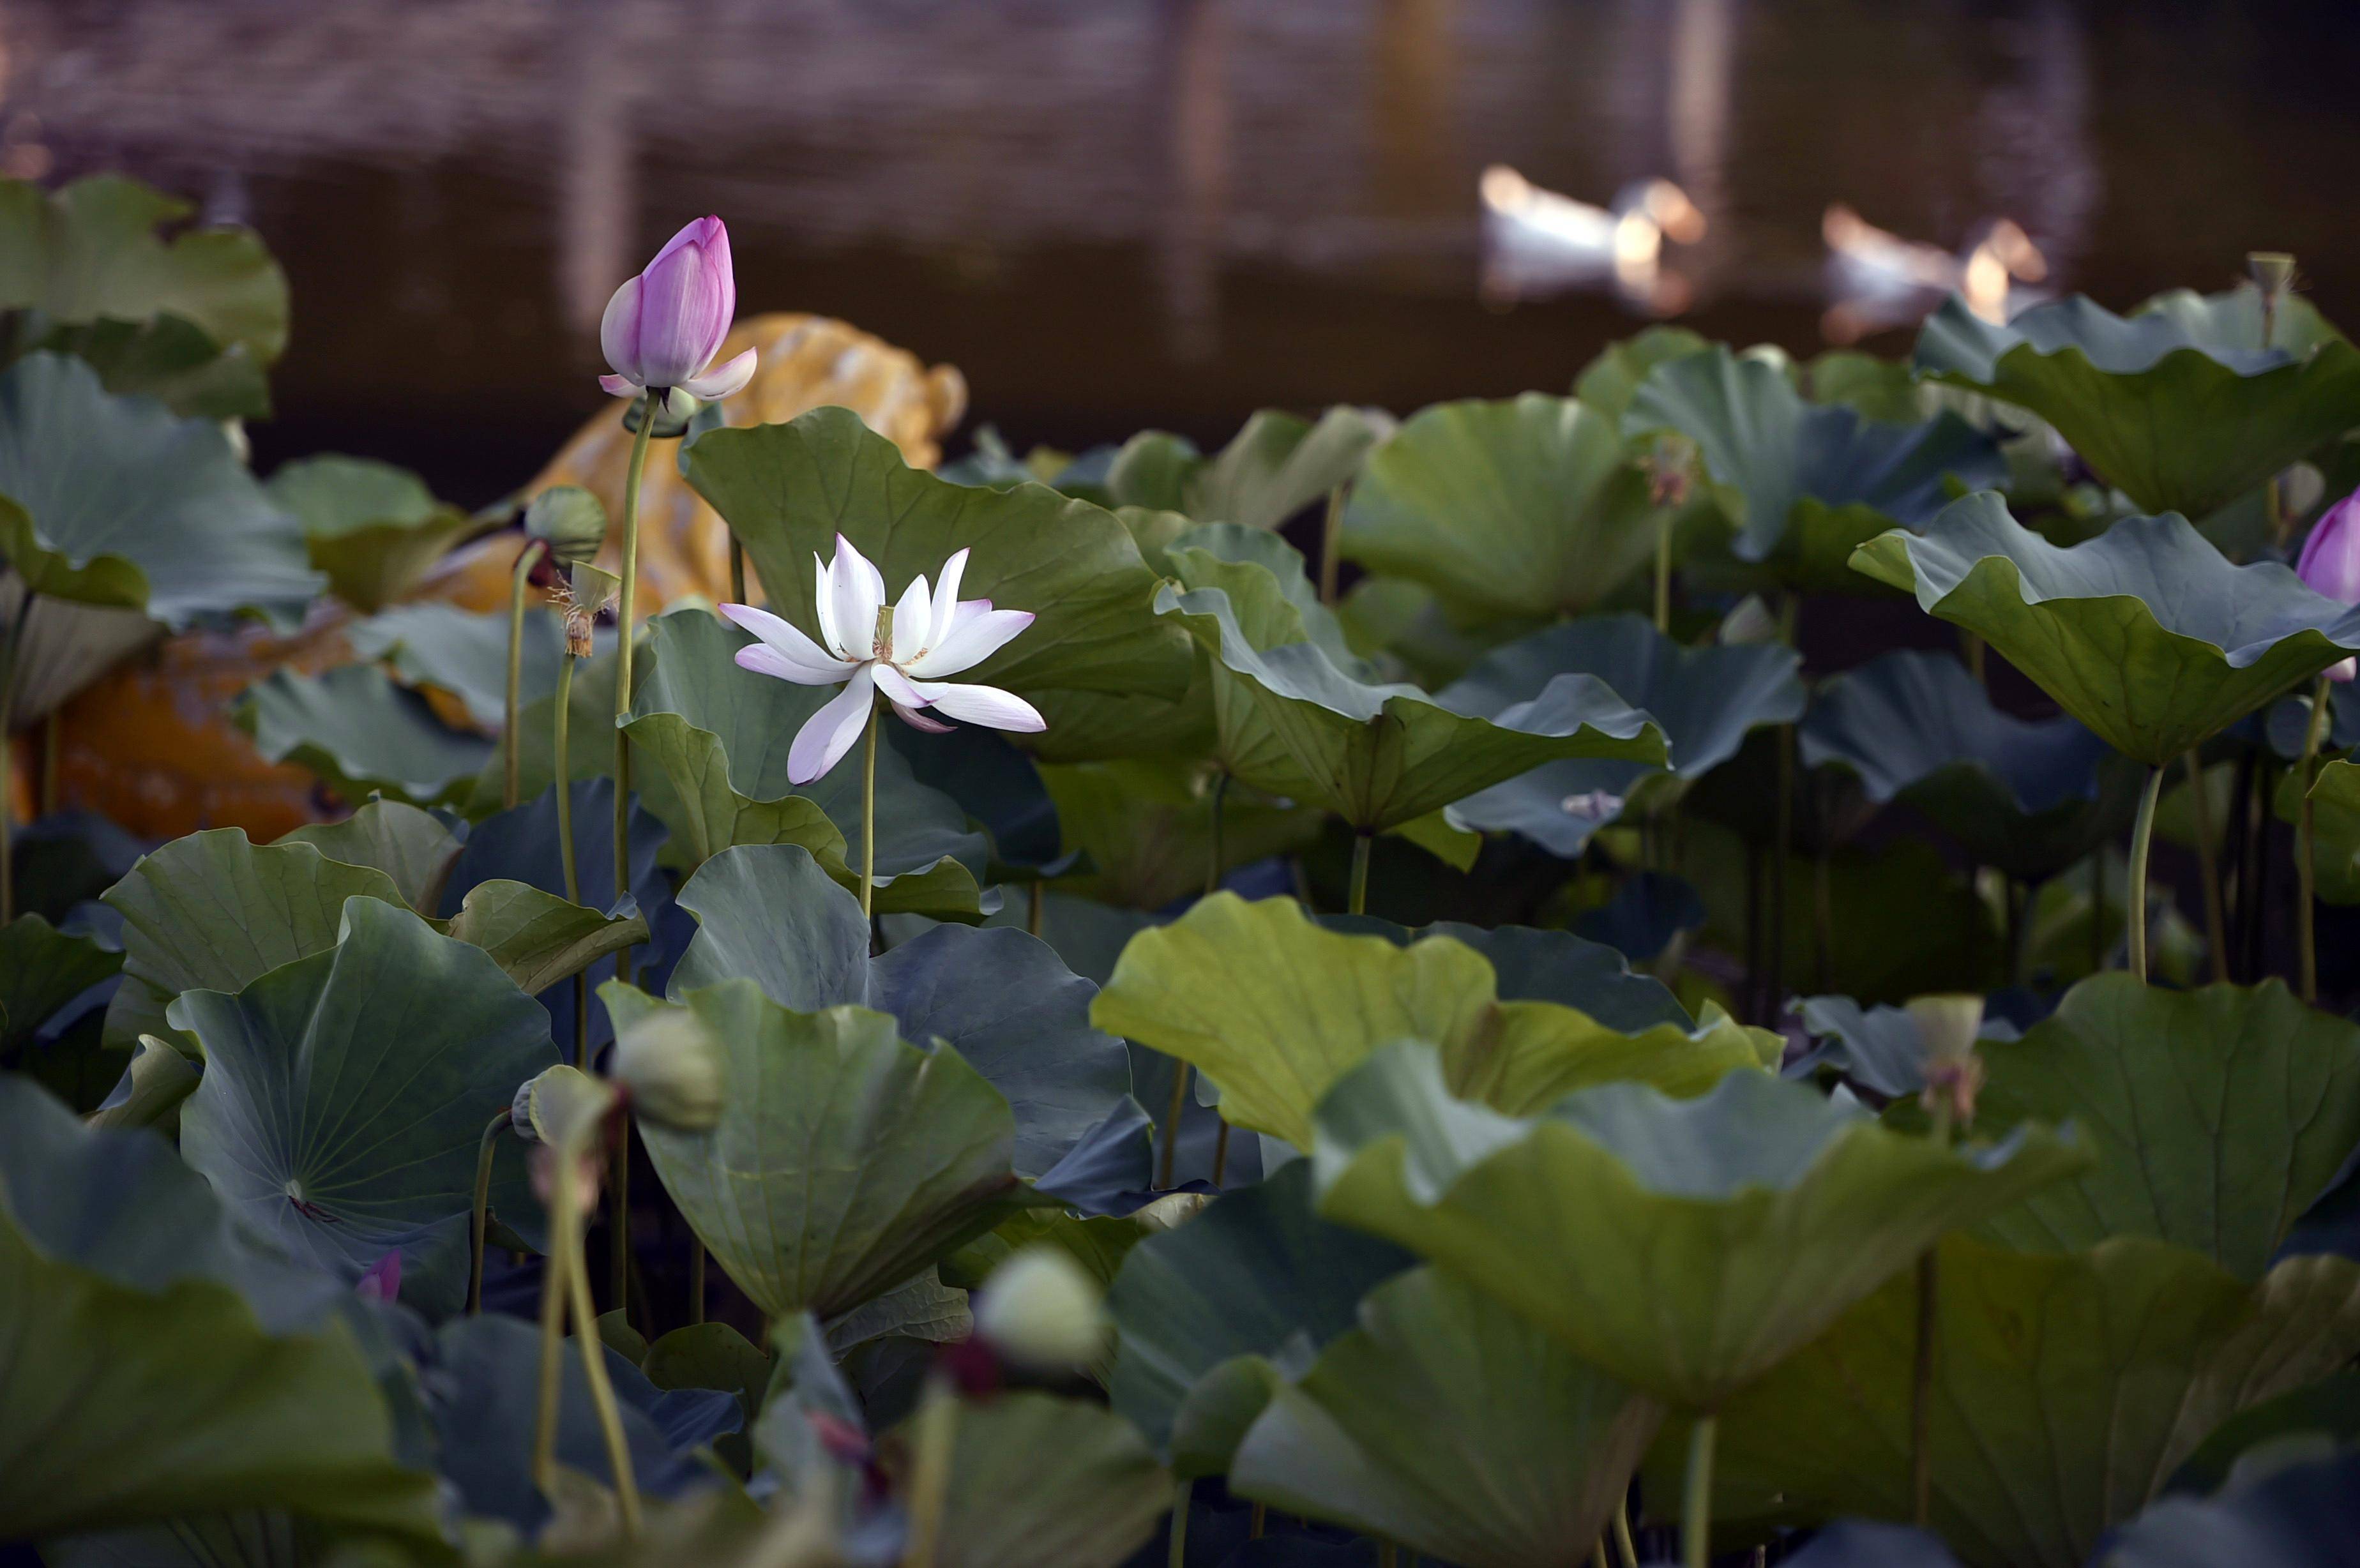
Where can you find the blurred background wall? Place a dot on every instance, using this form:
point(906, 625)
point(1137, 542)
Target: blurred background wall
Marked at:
point(1112, 214)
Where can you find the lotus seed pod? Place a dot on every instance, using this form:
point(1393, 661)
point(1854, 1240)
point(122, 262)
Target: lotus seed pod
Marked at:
point(569, 520)
point(1041, 1309)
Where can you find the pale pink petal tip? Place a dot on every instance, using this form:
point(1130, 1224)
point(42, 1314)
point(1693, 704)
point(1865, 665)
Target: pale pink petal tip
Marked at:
point(616, 387)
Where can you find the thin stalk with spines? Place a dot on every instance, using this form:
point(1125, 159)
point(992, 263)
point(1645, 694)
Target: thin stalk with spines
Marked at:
point(511, 747)
point(2305, 870)
point(1357, 900)
point(618, 1230)
point(479, 1217)
point(594, 1368)
point(1663, 574)
point(1213, 860)
point(557, 742)
point(1695, 1505)
point(1331, 544)
point(2208, 870)
point(1171, 1123)
point(2141, 840)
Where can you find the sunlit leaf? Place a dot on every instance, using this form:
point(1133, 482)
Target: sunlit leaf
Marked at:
point(372, 527)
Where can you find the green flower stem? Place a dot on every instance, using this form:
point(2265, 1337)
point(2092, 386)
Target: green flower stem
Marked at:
point(1172, 1123)
point(9, 646)
point(1257, 1521)
point(1695, 1508)
point(1331, 540)
point(2306, 870)
point(1597, 1553)
point(484, 1149)
point(2142, 835)
point(736, 569)
point(511, 753)
point(2216, 916)
point(930, 1470)
point(1178, 1555)
point(1663, 574)
point(869, 819)
point(618, 1224)
point(1221, 1156)
point(627, 624)
point(1213, 865)
point(602, 1391)
point(566, 848)
point(1624, 1546)
point(1359, 898)
point(1970, 645)
point(47, 801)
point(1921, 1392)
point(564, 1240)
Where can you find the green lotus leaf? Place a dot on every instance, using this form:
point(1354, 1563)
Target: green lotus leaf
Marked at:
point(214, 911)
point(1883, 390)
point(1293, 722)
point(2145, 633)
point(788, 490)
point(344, 1095)
point(2178, 406)
point(1147, 828)
point(1035, 1478)
point(91, 252)
point(722, 735)
point(163, 1361)
point(1608, 382)
point(42, 969)
point(1705, 699)
point(413, 847)
point(2217, 1115)
point(536, 937)
point(1098, 1243)
point(920, 1308)
point(1001, 790)
point(1249, 1290)
point(1000, 998)
point(116, 501)
point(844, 1161)
point(361, 733)
point(1527, 506)
point(1713, 1238)
point(2335, 822)
point(711, 1355)
point(373, 527)
point(1274, 466)
point(151, 1091)
point(456, 651)
point(1275, 1010)
point(1808, 483)
point(1540, 1446)
point(167, 357)
point(2067, 1389)
point(1530, 965)
point(2029, 796)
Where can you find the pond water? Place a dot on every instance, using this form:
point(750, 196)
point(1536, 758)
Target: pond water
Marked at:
point(1112, 214)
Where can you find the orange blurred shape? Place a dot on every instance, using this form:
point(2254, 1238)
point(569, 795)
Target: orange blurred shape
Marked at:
point(151, 745)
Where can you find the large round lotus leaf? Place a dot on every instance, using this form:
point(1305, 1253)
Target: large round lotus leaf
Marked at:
point(162, 1360)
point(2067, 1389)
point(1609, 382)
point(1146, 826)
point(1275, 1009)
point(41, 970)
point(1449, 1423)
point(2335, 822)
point(1808, 483)
point(415, 848)
point(2178, 406)
point(2145, 633)
point(91, 252)
point(344, 1095)
point(1274, 466)
point(214, 911)
point(1706, 699)
point(362, 734)
point(1528, 506)
point(446, 649)
point(1293, 721)
point(1230, 1304)
point(844, 1161)
point(117, 500)
point(1530, 965)
point(373, 527)
point(788, 490)
point(1036, 1479)
point(722, 735)
point(2217, 1115)
point(999, 787)
point(998, 998)
point(1685, 1245)
point(2029, 796)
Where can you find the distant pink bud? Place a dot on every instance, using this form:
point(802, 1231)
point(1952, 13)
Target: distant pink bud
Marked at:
point(383, 1281)
point(662, 328)
point(2330, 562)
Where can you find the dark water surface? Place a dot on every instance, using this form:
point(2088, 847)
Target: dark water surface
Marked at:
point(1112, 214)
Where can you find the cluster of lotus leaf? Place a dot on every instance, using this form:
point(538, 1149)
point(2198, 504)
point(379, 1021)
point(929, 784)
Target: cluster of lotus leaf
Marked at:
point(1439, 975)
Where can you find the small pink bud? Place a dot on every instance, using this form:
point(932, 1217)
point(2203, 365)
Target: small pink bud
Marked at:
point(383, 1281)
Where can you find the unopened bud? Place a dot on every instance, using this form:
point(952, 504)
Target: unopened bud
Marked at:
point(1947, 1028)
point(1041, 1309)
point(671, 1064)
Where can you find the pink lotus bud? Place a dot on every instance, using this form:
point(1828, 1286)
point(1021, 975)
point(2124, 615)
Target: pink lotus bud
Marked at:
point(2330, 562)
point(382, 1282)
point(662, 328)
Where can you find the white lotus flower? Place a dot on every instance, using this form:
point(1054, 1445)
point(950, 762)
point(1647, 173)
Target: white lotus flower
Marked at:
point(930, 633)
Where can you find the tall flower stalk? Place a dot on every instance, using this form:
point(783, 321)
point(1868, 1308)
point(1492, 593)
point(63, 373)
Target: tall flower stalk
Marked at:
point(2329, 565)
